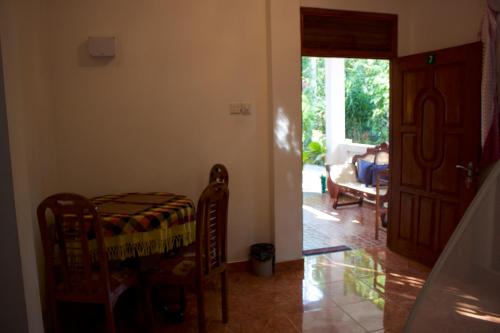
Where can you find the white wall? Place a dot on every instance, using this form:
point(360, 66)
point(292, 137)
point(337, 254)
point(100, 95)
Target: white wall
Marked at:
point(286, 118)
point(23, 40)
point(447, 23)
point(13, 317)
point(156, 117)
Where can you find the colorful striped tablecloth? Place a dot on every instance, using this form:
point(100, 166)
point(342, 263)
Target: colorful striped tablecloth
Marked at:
point(141, 224)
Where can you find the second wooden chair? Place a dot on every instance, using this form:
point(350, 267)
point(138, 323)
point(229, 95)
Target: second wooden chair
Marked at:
point(210, 256)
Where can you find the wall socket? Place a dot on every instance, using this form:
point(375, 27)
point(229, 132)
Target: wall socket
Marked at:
point(244, 109)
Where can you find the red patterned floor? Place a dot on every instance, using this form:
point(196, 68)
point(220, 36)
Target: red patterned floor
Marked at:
point(352, 225)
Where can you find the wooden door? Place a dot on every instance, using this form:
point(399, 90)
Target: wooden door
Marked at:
point(435, 126)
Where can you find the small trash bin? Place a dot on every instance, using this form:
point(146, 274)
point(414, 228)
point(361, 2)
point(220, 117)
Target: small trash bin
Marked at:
point(262, 258)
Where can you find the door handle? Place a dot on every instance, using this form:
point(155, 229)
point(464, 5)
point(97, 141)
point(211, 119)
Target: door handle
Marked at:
point(469, 169)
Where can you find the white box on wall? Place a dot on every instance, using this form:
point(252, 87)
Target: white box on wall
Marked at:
point(102, 46)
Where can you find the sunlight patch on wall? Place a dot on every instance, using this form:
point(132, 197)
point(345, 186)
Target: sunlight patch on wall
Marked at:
point(281, 130)
point(285, 133)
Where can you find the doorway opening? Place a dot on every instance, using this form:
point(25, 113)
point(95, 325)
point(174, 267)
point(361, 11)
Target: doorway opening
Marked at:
point(345, 113)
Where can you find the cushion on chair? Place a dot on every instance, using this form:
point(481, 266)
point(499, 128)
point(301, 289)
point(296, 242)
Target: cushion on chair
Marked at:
point(382, 158)
point(375, 169)
point(119, 281)
point(183, 268)
point(118, 277)
point(343, 173)
point(175, 271)
point(364, 173)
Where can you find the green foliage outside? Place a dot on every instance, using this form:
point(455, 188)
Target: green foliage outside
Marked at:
point(367, 100)
point(366, 104)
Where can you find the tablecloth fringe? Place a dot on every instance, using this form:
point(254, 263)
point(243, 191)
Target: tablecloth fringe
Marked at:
point(141, 244)
point(146, 248)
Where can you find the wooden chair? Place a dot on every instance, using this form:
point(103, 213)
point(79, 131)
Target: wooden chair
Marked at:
point(381, 198)
point(76, 265)
point(209, 260)
point(219, 174)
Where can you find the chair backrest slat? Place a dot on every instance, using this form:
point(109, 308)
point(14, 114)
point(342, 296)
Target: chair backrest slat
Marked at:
point(378, 155)
point(211, 227)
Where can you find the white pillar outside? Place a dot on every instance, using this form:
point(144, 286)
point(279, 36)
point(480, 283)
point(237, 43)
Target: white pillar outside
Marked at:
point(335, 110)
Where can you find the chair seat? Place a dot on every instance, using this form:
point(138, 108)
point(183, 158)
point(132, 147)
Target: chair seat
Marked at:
point(357, 186)
point(175, 271)
point(189, 251)
point(120, 280)
point(345, 175)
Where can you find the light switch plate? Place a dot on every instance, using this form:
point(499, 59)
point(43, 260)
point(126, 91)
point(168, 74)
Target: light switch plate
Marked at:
point(235, 108)
point(244, 109)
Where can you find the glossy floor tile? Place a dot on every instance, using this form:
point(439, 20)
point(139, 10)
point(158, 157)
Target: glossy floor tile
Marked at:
point(352, 225)
point(369, 290)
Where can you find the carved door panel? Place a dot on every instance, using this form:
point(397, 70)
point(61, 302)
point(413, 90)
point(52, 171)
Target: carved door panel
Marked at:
point(435, 126)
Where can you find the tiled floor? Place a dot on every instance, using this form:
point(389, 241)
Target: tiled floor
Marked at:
point(324, 226)
point(354, 291)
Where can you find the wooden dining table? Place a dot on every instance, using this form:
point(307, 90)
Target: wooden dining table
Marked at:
point(143, 224)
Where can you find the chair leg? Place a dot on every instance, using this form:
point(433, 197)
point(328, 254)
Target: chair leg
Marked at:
point(225, 315)
point(140, 316)
point(110, 318)
point(200, 300)
point(54, 315)
point(182, 301)
point(148, 310)
point(335, 196)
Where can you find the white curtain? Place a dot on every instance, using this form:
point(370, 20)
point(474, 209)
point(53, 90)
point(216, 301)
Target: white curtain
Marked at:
point(490, 136)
